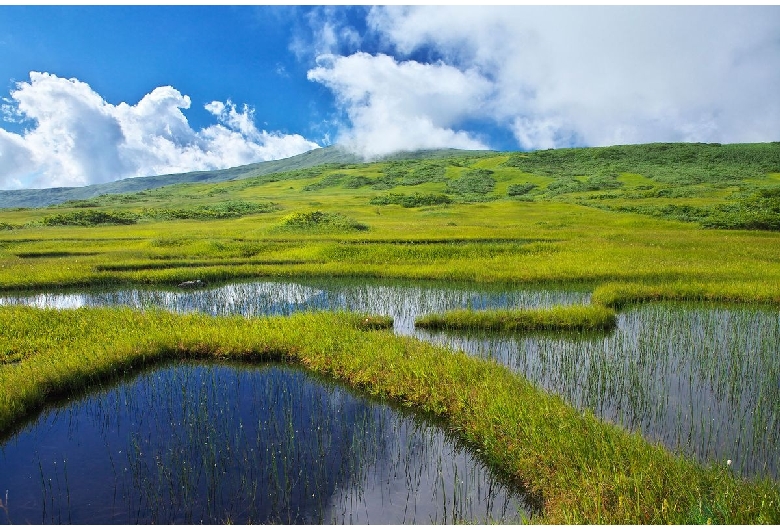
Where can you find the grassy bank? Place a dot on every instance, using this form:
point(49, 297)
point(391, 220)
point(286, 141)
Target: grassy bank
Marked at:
point(578, 468)
point(561, 318)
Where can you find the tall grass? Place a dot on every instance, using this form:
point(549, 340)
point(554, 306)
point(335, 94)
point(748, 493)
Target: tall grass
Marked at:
point(609, 219)
point(563, 318)
point(579, 468)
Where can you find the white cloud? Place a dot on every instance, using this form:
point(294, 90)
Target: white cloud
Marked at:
point(327, 31)
point(15, 160)
point(396, 106)
point(558, 76)
point(78, 138)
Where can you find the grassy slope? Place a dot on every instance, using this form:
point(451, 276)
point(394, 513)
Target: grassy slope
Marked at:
point(587, 219)
point(51, 196)
point(536, 237)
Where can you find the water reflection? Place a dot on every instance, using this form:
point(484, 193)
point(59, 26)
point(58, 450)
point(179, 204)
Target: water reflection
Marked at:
point(403, 302)
point(702, 380)
point(199, 443)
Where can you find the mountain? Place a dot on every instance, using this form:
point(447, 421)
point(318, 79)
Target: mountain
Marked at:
point(34, 198)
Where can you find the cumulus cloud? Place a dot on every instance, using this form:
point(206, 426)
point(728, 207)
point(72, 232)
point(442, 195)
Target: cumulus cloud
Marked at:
point(396, 106)
point(561, 76)
point(77, 138)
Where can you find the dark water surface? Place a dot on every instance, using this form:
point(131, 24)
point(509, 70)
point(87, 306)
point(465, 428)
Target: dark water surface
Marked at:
point(202, 443)
point(703, 380)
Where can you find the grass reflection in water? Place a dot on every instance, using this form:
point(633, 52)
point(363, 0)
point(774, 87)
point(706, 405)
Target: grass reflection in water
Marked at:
point(194, 443)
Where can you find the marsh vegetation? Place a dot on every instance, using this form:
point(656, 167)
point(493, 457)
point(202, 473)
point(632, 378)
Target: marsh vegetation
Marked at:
point(617, 360)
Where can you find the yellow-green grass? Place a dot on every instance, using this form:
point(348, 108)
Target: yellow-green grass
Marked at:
point(584, 470)
point(503, 241)
point(579, 469)
point(559, 318)
point(618, 295)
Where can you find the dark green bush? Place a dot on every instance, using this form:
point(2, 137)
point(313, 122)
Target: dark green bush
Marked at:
point(318, 221)
point(515, 190)
point(90, 218)
point(224, 210)
point(474, 185)
point(356, 182)
point(328, 181)
point(411, 201)
point(572, 185)
point(384, 182)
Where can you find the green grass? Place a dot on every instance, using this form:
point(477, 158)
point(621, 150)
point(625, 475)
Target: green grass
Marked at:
point(631, 223)
point(318, 221)
point(578, 468)
point(560, 318)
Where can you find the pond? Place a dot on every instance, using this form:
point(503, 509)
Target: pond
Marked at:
point(704, 380)
point(203, 443)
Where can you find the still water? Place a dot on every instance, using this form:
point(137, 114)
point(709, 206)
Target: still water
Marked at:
point(704, 380)
point(202, 443)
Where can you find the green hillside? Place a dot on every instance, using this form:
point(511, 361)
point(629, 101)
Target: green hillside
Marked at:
point(634, 221)
point(710, 185)
point(45, 197)
point(36, 198)
point(626, 224)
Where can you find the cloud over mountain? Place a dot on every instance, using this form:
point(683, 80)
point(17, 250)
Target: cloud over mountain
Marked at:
point(396, 106)
point(377, 79)
point(77, 138)
point(559, 76)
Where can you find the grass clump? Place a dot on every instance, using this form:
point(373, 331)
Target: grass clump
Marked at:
point(413, 200)
point(560, 318)
point(474, 185)
point(318, 221)
point(619, 295)
point(224, 210)
point(90, 218)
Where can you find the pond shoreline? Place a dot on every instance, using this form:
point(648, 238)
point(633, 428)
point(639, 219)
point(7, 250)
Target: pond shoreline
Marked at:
point(526, 444)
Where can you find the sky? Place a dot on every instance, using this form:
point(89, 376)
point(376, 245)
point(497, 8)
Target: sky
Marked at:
point(93, 94)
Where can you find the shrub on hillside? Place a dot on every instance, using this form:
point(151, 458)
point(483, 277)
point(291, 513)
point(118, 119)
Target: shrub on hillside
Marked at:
point(473, 185)
point(224, 210)
point(90, 218)
point(516, 190)
point(318, 221)
point(328, 181)
point(411, 201)
point(356, 182)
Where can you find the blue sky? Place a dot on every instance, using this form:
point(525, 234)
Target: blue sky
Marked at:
point(94, 94)
point(210, 53)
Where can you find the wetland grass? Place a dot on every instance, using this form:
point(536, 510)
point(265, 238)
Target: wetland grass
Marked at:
point(578, 467)
point(628, 227)
point(559, 318)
